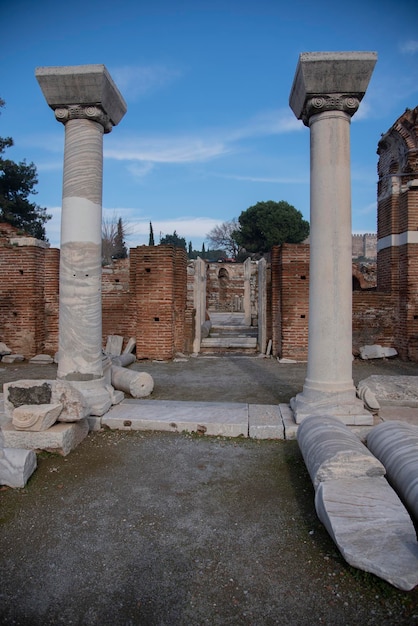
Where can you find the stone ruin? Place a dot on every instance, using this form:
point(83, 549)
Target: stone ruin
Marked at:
point(358, 506)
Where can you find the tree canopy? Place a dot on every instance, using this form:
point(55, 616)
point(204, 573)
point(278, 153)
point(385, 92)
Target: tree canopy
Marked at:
point(17, 184)
point(270, 223)
point(173, 240)
point(114, 231)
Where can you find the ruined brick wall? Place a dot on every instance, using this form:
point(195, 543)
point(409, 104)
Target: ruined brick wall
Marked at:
point(225, 287)
point(374, 319)
point(22, 310)
point(398, 227)
point(51, 300)
point(374, 314)
point(158, 295)
point(117, 314)
point(290, 301)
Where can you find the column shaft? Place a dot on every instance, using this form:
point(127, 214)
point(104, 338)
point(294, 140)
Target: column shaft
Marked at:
point(80, 325)
point(330, 299)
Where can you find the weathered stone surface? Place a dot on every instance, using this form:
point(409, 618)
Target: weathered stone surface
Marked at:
point(114, 345)
point(81, 84)
point(395, 444)
point(330, 451)
point(265, 421)
point(35, 392)
point(24, 391)
point(42, 359)
point(36, 417)
point(124, 359)
point(371, 528)
point(205, 329)
point(4, 349)
point(392, 390)
point(137, 384)
point(12, 358)
point(130, 346)
point(61, 438)
point(16, 466)
point(74, 405)
point(210, 418)
point(376, 352)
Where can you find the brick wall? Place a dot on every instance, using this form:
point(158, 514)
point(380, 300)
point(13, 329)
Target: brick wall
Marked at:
point(22, 319)
point(290, 301)
point(117, 314)
point(159, 290)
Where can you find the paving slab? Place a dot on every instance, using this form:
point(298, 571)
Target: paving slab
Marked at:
point(265, 421)
point(229, 419)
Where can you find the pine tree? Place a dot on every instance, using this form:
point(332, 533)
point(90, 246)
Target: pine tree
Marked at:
point(120, 248)
point(151, 235)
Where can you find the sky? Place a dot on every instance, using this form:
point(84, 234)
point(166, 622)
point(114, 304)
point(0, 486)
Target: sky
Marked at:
point(208, 131)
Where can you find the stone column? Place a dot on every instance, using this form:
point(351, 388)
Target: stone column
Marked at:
point(247, 292)
point(199, 297)
point(85, 99)
point(326, 92)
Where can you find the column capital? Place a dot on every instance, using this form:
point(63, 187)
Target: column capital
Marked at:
point(329, 102)
point(80, 112)
point(84, 91)
point(330, 81)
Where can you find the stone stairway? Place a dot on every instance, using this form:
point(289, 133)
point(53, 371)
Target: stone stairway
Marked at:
point(229, 334)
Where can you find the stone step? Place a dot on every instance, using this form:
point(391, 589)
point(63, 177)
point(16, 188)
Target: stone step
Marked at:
point(229, 342)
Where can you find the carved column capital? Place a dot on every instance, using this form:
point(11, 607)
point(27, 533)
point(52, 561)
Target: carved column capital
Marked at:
point(330, 102)
point(82, 112)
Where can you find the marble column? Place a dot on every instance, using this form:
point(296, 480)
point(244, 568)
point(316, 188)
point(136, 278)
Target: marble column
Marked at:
point(86, 100)
point(326, 92)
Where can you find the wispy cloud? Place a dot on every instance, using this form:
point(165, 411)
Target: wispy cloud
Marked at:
point(135, 82)
point(144, 152)
point(181, 149)
point(283, 180)
point(270, 122)
point(409, 47)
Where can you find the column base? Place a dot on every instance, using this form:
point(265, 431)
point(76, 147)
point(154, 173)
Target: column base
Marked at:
point(344, 406)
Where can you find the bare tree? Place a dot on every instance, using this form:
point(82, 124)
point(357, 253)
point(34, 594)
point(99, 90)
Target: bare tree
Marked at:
point(222, 237)
point(114, 232)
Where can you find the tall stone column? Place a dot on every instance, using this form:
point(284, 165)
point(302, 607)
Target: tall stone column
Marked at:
point(85, 99)
point(326, 92)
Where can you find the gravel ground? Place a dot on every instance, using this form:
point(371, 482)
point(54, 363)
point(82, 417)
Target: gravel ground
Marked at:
point(174, 529)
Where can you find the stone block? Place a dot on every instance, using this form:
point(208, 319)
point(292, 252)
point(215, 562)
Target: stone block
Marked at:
point(12, 358)
point(41, 359)
point(265, 421)
point(228, 419)
point(331, 451)
point(330, 73)
point(35, 392)
point(4, 350)
point(60, 438)
point(16, 466)
point(35, 417)
point(130, 346)
point(81, 84)
point(395, 444)
point(376, 352)
point(289, 424)
point(391, 390)
point(370, 527)
point(114, 345)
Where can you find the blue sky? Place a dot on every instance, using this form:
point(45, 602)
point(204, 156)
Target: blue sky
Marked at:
point(208, 131)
